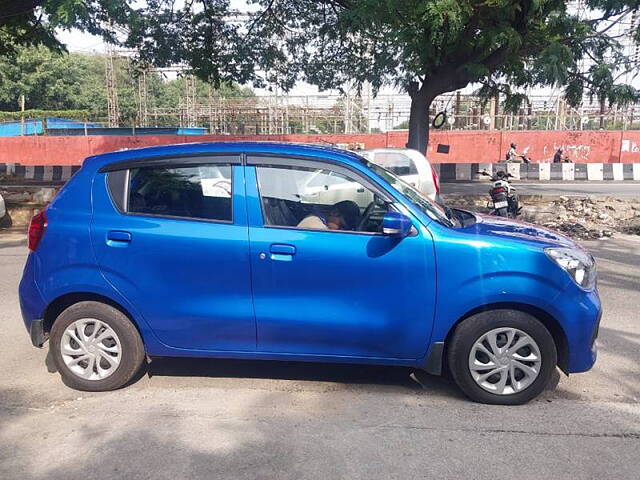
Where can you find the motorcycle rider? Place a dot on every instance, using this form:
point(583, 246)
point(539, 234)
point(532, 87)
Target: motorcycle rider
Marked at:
point(558, 158)
point(514, 156)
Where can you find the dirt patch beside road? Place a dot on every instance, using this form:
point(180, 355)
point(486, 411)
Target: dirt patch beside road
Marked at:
point(579, 217)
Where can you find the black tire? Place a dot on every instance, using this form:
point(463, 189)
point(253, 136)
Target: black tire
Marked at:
point(471, 329)
point(502, 212)
point(6, 222)
point(132, 348)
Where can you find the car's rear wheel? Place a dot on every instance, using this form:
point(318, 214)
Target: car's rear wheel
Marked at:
point(503, 357)
point(95, 347)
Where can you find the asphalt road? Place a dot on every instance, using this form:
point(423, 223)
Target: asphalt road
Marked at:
point(263, 420)
point(613, 189)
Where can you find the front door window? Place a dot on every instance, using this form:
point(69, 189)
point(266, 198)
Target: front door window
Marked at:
point(318, 199)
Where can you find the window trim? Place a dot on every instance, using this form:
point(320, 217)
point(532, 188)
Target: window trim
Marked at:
point(305, 163)
point(182, 160)
point(177, 217)
point(111, 183)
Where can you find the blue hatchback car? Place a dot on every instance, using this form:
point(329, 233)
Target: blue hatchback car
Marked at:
point(298, 253)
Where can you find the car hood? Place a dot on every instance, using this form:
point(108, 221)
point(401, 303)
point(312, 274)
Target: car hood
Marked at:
point(517, 230)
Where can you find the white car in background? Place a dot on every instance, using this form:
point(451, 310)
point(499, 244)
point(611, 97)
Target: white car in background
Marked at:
point(3, 210)
point(410, 165)
point(323, 187)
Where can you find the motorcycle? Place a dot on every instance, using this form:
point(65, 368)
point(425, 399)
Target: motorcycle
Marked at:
point(504, 199)
point(520, 159)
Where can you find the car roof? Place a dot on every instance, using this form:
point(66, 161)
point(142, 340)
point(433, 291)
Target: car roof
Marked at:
point(204, 148)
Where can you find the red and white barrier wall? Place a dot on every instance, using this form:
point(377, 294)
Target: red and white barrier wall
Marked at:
point(478, 146)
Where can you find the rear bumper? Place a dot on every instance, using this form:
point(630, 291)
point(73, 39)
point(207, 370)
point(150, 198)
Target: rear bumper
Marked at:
point(32, 305)
point(37, 333)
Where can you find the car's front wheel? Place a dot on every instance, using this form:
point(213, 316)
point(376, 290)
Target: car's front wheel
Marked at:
point(503, 357)
point(95, 347)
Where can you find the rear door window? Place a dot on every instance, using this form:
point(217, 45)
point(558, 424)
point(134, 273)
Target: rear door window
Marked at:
point(198, 191)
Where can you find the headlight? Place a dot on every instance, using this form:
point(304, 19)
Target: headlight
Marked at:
point(578, 264)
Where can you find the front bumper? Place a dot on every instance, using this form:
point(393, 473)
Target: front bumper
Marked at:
point(582, 313)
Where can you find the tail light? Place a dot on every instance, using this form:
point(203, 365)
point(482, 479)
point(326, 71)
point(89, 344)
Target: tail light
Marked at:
point(37, 226)
point(498, 190)
point(436, 180)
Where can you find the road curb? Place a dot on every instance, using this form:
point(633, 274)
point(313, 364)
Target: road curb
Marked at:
point(566, 172)
point(41, 173)
point(448, 172)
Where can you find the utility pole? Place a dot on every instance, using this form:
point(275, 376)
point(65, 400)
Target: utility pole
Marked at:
point(603, 109)
point(21, 101)
point(112, 89)
point(210, 110)
point(190, 101)
point(143, 112)
point(493, 111)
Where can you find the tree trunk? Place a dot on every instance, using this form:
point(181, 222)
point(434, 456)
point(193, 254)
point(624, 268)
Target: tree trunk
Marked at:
point(419, 121)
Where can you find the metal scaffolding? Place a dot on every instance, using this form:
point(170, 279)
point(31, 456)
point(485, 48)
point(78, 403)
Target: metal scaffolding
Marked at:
point(143, 111)
point(111, 87)
point(355, 111)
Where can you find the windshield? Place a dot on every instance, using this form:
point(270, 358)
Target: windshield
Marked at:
point(432, 209)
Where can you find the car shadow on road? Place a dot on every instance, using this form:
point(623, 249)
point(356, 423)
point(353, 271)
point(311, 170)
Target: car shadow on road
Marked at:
point(22, 242)
point(364, 377)
point(616, 250)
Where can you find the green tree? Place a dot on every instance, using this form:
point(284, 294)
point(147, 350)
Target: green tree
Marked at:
point(54, 81)
point(33, 22)
point(437, 46)
point(50, 80)
point(426, 47)
point(201, 34)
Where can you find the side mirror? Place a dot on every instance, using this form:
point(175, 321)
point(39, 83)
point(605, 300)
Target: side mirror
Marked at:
point(396, 224)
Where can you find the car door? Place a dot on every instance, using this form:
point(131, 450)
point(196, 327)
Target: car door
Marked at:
point(348, 293)
point(171, 236)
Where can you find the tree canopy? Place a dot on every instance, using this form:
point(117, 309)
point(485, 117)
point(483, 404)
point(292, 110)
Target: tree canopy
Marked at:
point(436, 46)
point(425, 47)
point(34, 22)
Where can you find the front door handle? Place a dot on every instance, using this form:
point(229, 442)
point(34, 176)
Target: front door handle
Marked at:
point(282, 252)
point(282, 249)
point(118, 236)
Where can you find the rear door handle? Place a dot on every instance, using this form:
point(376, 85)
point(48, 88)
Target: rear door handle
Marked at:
point(118, 236)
